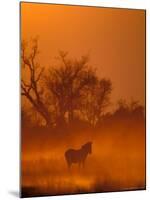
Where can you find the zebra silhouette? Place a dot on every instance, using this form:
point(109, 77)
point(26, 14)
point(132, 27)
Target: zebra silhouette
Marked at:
point(78, 156)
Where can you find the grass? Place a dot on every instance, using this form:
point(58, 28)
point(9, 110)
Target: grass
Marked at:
point(117, 163)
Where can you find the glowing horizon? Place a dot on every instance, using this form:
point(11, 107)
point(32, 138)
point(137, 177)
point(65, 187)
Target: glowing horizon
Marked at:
point(114, 39)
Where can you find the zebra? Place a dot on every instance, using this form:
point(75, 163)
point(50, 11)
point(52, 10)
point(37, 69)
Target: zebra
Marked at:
point(78, 155)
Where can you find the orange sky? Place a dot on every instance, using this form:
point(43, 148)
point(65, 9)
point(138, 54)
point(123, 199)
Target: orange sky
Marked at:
point(114, 38)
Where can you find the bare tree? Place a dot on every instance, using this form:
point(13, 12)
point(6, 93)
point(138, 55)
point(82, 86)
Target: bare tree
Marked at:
point(71, 87)
point(103, 95)
point(67, 83)
point(96, 99)
point(31, 88)
point(130, 109)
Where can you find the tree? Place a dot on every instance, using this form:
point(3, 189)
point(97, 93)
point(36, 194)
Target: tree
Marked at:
point(97, 98)
point(129, 110)
point(69, 91)
point(31, 88)
point(67, 83)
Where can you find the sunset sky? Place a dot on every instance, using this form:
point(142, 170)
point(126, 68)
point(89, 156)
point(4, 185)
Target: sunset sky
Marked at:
point(114, 39)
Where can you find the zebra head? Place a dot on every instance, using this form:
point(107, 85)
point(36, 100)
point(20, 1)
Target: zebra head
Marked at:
point(87, 147)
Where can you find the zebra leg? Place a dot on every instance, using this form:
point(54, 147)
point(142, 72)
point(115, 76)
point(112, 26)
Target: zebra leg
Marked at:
point(83, 163)
point(68, 165)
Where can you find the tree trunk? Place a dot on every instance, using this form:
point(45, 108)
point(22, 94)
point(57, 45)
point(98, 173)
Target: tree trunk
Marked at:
point(41, 109)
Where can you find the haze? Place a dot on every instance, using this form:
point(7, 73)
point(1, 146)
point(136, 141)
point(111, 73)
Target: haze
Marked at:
point(114, 39)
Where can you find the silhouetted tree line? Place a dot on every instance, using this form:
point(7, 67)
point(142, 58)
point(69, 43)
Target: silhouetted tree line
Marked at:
point(125, 114)
point(67, 93)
